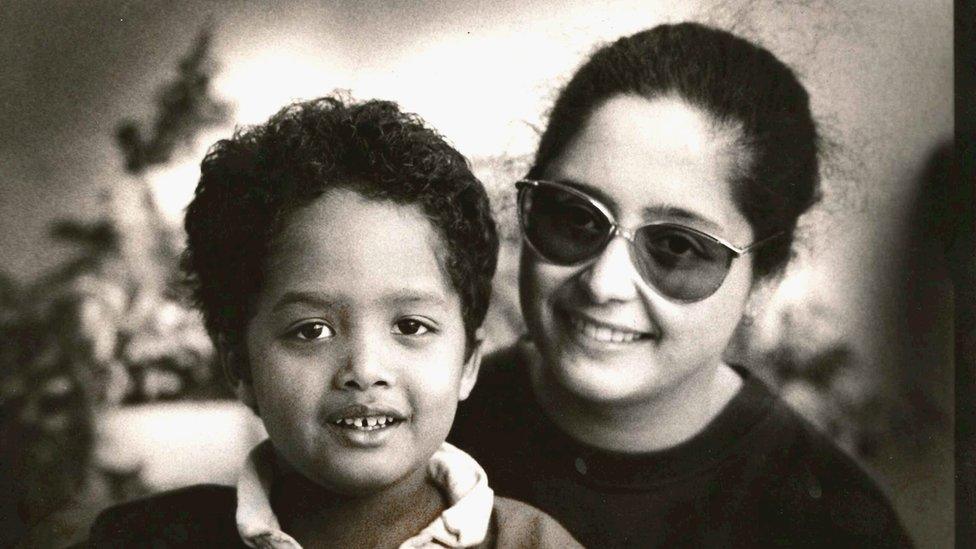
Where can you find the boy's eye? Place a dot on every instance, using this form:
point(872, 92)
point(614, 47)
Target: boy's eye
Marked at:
point(312, 330)
point(410, 326)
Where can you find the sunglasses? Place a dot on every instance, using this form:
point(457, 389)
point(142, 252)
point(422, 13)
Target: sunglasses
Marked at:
point(566, 227)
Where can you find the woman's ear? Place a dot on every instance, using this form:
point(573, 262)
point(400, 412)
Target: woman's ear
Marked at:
point(469, 371)
point(233, 362)
point(760, 293)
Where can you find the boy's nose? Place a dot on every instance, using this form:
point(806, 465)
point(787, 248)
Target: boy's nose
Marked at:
point(364, 367)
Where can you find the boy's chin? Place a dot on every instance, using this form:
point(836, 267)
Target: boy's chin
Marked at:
point(355, 472)
point(363, 480)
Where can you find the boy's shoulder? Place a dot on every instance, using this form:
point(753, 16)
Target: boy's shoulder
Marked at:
point(195, 515)
point(517, 524)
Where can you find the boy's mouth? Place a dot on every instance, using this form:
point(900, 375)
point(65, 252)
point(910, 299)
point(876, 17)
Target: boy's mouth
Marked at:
point(367, 423)
point(361, 417)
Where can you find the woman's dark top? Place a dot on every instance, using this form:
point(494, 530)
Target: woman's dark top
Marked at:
point(758, 475)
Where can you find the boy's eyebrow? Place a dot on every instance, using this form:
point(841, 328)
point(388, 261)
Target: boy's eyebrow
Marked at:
point(396, 297)
point(413, 296)
point(297, 297)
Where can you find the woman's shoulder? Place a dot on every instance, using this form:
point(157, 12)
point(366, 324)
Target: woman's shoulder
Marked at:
point(195, 514)
point(517, 524)
point(496, 418)
point(502, 380)
point(810, 481)
point(504, 361)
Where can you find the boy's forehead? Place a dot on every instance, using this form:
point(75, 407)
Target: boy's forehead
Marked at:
point(343, 247)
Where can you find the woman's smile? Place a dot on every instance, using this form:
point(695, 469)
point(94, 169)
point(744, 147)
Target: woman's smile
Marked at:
point(608, 334)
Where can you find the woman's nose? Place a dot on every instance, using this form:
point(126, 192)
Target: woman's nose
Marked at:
point(611, 277)
point(364, 366)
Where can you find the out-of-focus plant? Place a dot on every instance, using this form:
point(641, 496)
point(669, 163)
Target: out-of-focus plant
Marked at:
point(818, 373)
point(860, 403)
point(499, 173)
point(111, 326)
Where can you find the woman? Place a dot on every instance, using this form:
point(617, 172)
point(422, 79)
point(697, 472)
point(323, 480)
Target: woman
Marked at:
point(666, 186)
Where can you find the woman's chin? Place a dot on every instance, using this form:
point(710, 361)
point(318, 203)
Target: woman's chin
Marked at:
point(603, 382)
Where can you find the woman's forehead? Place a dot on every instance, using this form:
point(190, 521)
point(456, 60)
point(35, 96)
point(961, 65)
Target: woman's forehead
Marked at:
point(660, 159)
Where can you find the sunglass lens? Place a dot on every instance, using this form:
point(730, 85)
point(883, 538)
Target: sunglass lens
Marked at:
point(563, 227)
point(681, 264)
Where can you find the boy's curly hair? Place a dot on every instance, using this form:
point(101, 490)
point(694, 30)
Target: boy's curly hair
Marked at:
point(252, 181)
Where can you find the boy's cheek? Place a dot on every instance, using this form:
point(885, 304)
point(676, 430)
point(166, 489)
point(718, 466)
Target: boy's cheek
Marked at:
point(469, 372)
point(237, 372)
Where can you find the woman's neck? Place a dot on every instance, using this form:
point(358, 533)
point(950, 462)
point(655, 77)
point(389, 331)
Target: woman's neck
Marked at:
point(638, 427)
point(317, 517)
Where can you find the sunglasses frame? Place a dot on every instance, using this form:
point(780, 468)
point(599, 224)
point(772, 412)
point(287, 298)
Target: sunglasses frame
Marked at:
point(523, 185)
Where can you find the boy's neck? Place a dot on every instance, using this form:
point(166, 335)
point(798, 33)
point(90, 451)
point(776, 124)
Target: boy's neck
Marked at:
point(317, 517)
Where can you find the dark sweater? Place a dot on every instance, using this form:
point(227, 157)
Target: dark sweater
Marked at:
point(204, 516)
point(757, 476)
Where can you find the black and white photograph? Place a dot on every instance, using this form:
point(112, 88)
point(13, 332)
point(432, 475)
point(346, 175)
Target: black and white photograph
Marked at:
point(516, 274)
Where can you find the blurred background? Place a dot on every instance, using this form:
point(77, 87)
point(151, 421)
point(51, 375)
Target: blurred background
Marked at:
point(108, 388)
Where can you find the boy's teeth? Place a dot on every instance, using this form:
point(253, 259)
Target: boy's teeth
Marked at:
point(367, 423)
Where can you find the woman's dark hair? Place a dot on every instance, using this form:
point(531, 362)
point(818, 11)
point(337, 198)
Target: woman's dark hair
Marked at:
point(739, 84)
point(252, 181)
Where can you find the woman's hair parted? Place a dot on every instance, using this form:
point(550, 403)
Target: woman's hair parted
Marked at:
point(742, 86)
point(252, 181)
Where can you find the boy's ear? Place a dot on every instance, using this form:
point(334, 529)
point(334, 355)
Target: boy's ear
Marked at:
point(237, 371)
point(469, 372)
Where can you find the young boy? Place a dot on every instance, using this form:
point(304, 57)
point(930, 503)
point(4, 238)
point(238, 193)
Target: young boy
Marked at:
point(342, 255)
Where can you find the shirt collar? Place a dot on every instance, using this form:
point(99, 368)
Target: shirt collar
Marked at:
point(458, 475)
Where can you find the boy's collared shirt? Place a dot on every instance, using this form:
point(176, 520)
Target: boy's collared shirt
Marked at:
point(464, 523)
